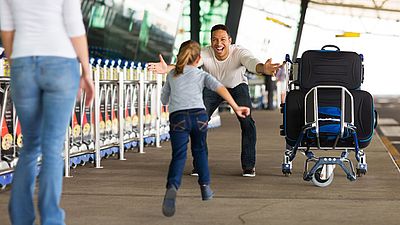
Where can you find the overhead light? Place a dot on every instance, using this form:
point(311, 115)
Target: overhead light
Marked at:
point(278, 22)
point(348, 34)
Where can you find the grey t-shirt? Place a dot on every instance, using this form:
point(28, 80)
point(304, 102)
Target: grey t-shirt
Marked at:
point(185, 91)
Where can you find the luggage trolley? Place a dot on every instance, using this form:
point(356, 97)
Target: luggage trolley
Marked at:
point(87, 121)
point(150, 108)
point(107, 97)
point(81, 143)
point(114, 113)
point(75, 139)
point(326, 110)
point(130, 118)
point(8, 120)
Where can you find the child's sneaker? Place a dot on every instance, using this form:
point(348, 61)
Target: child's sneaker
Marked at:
point(206, 192)
point(249, 172)
point(194, 173)
point(168, 207)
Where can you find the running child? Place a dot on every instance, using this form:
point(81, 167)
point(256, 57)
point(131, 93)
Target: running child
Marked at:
point(183, 91)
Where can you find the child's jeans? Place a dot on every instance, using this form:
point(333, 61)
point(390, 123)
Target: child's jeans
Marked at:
point(184, 124)
point(43, 89)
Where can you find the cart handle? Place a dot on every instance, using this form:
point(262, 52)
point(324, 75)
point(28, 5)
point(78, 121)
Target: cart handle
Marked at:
point(330, 46)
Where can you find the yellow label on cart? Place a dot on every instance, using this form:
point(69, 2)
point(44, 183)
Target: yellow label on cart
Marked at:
point(6, 141)
point(147, 118)
point(86, 129)
point(19, 141)
point(108, 125)
point(115, 125)
point(115, 76)
point(164, 115)
point(76, 131)
point(135, 120)
point(128, 74)
point(128, 121)
point(101, 74)
point(102, 126)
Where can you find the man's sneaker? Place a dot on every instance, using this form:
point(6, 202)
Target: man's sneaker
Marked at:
point(249, 172)
point(194, 173)
point(206, 192)
point(168, 207)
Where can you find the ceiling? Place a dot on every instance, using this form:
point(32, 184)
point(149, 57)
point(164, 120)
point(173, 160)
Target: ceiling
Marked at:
point(381, 9)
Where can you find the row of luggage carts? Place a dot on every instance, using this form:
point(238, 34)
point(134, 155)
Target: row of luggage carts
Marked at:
point(126, 114)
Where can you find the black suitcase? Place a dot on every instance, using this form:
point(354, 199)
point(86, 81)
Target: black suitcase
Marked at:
point(323, 67)
point(364, 116)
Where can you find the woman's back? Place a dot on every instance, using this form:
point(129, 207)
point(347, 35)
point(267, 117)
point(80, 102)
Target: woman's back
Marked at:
point(42, 27)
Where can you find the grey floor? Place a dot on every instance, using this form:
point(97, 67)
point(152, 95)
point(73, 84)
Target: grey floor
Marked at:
point(131, 191)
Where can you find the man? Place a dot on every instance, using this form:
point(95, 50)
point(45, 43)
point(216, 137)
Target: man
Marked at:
point(228, 63)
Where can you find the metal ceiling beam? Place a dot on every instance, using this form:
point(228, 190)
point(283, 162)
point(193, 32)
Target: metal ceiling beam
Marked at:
point(303, 10)
point(195, 23)
point(233, 17)
point(356, 6)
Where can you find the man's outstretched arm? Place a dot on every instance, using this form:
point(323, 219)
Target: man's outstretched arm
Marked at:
point(268, 68)
point(160, 67)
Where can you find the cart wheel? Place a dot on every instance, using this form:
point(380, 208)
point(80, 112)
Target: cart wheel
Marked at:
point(318, 181)
point(82, 163)
point(3, 187)
point(361, 172)
point(287, 174)
point(73, 166)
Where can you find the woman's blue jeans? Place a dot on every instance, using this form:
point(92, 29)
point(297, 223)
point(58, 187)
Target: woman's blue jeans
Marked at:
point(43, 89)
point(184, 124)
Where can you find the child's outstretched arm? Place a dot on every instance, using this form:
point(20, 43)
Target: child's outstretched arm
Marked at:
point(241, 111)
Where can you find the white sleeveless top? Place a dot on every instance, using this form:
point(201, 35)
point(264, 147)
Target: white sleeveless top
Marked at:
point(42, 27)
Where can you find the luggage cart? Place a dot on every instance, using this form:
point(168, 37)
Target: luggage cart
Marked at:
point(325, 110)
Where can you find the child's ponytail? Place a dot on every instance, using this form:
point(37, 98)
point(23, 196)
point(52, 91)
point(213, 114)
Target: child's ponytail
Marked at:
point(188, 53)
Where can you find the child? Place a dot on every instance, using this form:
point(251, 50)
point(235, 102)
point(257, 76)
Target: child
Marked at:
point(183, 90)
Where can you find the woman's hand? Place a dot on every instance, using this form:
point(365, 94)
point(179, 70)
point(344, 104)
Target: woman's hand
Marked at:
point(86, 84)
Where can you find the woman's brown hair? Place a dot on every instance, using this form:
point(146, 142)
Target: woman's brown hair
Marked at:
point(188, 53)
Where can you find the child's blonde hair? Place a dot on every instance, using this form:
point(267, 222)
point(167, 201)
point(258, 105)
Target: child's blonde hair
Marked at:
point(188, 53)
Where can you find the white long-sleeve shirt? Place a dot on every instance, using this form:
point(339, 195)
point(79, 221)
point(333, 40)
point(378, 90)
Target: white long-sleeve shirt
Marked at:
point(42, 27)
point(230, 72)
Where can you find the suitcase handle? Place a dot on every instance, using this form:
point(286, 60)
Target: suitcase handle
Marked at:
point(331, 46)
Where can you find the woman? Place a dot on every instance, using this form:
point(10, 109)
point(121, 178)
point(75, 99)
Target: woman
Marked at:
point(44, 39)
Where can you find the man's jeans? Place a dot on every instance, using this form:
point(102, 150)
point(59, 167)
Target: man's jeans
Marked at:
point(184, 124)
point(43, 89)
point(241, 96)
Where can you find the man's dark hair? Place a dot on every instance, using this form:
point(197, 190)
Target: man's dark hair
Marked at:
point(220, 27)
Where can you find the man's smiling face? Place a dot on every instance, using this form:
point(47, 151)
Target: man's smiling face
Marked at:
point(220, 42)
